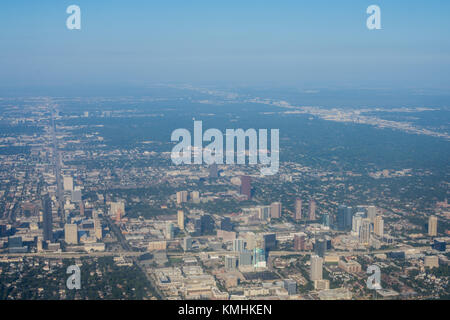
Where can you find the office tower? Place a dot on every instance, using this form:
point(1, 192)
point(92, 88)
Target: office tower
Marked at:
point(230, 263)
point(98, 229)
point(71, 233)
point(299, 242)
point(269, 241)
point(169, 231)
point(238, 245)
point(197, 226)
point(76, 195)
point(298, 209)
point(47, 218)
point(344, 218)
point(379, 226)
point(195, 197)
point(213, 171)
point(226, 224)
point(320, 247)
point(264, 212)
point(432, 226)
point(312, 210)
point(187, 244)
point(68, 183)
point(118, 209)
point(180, 219)
point(290, 286)
point(81, 208)
point(207, 224)
point(372, 213)
point(364, 231)
point(39, 245)
point(245, 258)
point(259, 257)
point(326, 219)
point(246, 187)
point(182, 197)
point(356, 223)
point(275, 210)
point(316, 268)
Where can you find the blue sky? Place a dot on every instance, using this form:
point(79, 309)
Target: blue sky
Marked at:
point(301, 43)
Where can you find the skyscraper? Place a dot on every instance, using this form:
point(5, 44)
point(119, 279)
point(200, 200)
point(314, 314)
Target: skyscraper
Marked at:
point(299, 242)
point(47, 218)
point(275, 210)
point(372, 213)
point(207, 224)
point(180, 218)
point(246, 187)
point(379, 226)
point(344, 218)
point(169, 231)
point(182, 196)
point(312, 210)
point(432, 226)
point(298, 209)
point(364, 231)
point(316, 268)
point(326, 219)
point(68, 183)
point(320, 247)
point(269, 241)
point(238, 245)
point(71, 233)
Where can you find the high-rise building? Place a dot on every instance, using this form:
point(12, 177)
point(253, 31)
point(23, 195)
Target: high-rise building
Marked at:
point(259, 257)
point(182, 197)
point(71, 233)
point(230, 263)
point(238, 245)
point(180, 219)
point(312, 210)
point(344, 218)
point(432, 226)
point(207, 224)
point(68, 183)
point(298, 209)
point(290, 286)
point(187, 244)
point(320, 247)
point(264, 212)
point(246, 187)
point(47, 218)
point(356, 223)
point(195, 197)
point(117, 210)
point(269, 241)
point(326, 219)
point(299, 242)
point(246, 258)
point(316, 268)
point(98, 229)
point(364, 231)
point(275, 210)
point(169, 231)
point(379, 226)
point(372, 213)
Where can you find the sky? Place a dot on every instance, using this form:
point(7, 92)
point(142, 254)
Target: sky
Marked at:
point(294, 43)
